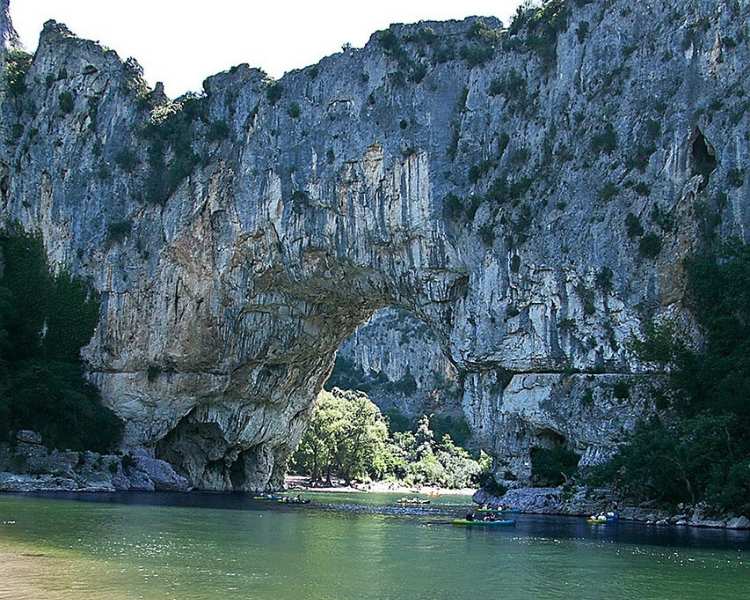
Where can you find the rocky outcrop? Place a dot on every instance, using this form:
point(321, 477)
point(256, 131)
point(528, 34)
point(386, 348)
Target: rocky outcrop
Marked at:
point(584, 501)
point(8, 35)
point(527, 193)
point(28, 466)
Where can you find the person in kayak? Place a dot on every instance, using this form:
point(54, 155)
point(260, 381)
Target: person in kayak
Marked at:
point(470, 516)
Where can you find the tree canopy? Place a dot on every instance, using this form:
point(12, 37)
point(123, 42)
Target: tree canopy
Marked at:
point(698, 449)
point(45, 319)
point(349, 438)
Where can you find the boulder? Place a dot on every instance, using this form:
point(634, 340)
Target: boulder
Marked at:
point(161, 474)
point(741, 522)
point(24, 436)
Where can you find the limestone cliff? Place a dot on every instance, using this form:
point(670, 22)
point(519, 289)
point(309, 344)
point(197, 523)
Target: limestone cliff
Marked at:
point(526, 192)
point(8, 35)
point(396, 359)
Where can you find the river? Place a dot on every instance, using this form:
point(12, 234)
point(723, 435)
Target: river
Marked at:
point(344, 546)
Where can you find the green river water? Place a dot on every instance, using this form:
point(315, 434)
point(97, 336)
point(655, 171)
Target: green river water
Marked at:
point(341, 547)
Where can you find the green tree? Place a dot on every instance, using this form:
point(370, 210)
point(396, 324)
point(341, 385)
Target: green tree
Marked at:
point(347, 437)
point(700, 449)
point(44, 321)
point(319, 446)
point(362, 445)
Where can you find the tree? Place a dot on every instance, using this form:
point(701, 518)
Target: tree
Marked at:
point(362, 444)
point(44, 322)
point(319, 446)
point(699, 449)
point(347, 437)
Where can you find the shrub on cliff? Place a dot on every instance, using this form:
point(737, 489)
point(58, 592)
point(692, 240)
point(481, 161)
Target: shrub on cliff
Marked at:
point(17, 65)
point(44, 321)
point(67, 102)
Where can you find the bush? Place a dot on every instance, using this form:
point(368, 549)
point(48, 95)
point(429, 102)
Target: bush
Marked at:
point(294, 110)
point(274, 92)
point(17, 65)
point(487, 234)
point(606, 141)
point(604, 279)
point(633, 226)
point(127, 160)
point(455, 427)
point(152, 373)
point(453, 207)
point(119, 230)
point(477, 171)
point(496, 87)
point(219, 130)
point(736, 178)
point(608, 192)
point(176, 132)
point(397, 421)
point(475, 55)
point(418, 73)
point(650, 246)
point(621, 390)
point(582, 31)
point(67, 102)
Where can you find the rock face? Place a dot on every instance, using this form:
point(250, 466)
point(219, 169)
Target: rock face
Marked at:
point(28, 466)
point(526, 193)
point(8, 35)
point(397, 360)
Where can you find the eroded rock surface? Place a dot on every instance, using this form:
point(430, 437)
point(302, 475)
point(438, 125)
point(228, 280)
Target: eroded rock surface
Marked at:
point(528, 194)
point(398, 361)
point(28, 466)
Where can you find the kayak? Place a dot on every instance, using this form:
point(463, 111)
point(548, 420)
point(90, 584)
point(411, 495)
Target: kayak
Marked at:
point(412, 502)
point(270, 497)
point(292, 501)
point(498, 523)
point(603, 519)
point(497, 510)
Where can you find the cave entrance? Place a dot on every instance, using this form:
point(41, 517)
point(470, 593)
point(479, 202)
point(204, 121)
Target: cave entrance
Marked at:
point(703, 158)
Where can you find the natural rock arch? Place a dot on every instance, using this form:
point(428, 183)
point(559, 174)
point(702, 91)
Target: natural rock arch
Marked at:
point(261, 223)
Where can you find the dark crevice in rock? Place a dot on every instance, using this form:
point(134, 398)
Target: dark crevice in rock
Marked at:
point(703, 158)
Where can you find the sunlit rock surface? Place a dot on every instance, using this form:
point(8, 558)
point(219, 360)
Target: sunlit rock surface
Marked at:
point(480, 180)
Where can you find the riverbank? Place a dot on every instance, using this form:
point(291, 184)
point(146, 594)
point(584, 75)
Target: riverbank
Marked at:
point(583, 501)
point(28, 466)
point(301, 483)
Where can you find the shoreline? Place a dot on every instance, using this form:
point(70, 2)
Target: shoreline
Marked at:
point(302, 483)
point(550, 502)
point(629, 515)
